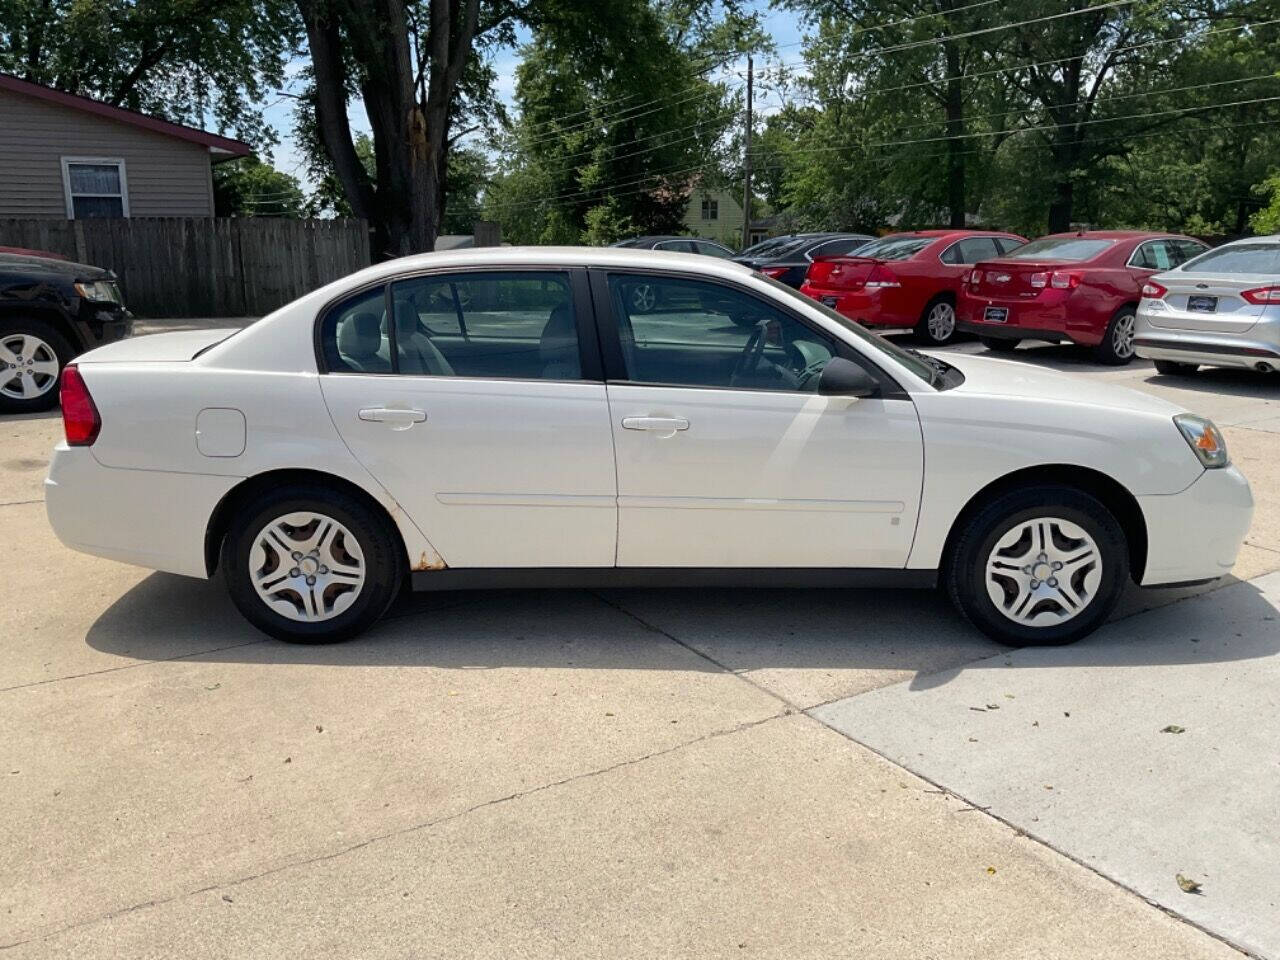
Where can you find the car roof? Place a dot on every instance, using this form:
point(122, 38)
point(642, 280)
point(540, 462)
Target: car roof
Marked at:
point(625, 257)
point(1117, 234)
point(948, 234)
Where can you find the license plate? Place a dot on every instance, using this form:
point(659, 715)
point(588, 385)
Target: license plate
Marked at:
point(830, 301)
point(1202, 304)
point(996, 315)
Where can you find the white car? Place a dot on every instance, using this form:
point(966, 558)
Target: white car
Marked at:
point(1220, 309)
point(491, 418)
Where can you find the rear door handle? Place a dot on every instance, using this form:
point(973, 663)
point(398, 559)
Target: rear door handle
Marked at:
point(400, 418)
point(667, 425)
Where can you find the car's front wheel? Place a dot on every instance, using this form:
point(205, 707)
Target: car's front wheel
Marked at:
point(1039, 566)
point(32, 355)
point(309, 564)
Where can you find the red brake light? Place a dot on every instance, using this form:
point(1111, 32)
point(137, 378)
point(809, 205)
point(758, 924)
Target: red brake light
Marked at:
point(1262, 295)
point(881, 276)
point(1039, 280)
point(1064, 280)
point(80, 418)
point(1153, 291)
point(773, 271)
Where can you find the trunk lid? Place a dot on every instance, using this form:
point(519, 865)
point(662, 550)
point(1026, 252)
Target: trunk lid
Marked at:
point(158, 347)
point(1230, 312)
point(848, 273)
point(1012, 278)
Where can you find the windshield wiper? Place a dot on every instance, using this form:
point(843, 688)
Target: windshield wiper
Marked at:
point(938, 367)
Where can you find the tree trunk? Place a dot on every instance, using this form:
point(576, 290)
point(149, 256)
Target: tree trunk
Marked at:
point(1060, 207)
point(954, 108)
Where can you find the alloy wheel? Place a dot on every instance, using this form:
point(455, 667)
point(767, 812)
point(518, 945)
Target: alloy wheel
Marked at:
point(1122, 336)
point(28, 367)
point(307, 566)
point(1044, 572)
point(941, 322)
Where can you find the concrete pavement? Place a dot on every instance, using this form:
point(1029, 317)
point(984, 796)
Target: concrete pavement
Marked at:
point(631, 773)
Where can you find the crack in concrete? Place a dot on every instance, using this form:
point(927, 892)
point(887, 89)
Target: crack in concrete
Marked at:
point(132, 666)
point(404, 831)
point(20, 503)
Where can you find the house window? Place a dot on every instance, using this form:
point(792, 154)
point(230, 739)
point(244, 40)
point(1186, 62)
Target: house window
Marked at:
point(710, 209)
point(95, 188)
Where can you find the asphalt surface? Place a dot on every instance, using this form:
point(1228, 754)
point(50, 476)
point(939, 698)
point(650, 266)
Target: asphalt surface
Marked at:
point(638, 773)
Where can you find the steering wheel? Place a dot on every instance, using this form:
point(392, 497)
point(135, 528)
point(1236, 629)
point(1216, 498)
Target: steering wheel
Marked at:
point(752, 354)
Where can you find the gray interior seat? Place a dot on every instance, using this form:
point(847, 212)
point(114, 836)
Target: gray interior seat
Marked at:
point(418, 355)
point(359, 340)
point(558, 346)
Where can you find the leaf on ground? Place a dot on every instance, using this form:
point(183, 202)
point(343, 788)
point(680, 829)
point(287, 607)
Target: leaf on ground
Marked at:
point(214, 687)
point(991, 871)
point(1187, 885)
point(1173, 728)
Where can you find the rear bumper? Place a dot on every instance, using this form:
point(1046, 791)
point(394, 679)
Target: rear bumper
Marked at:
point(1196, 534)
point(148, 518)
point(1220, 351)
point(866, 306)
point(1005, 331)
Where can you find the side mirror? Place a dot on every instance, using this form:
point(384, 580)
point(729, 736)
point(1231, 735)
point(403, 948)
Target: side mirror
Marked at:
point(844, 378)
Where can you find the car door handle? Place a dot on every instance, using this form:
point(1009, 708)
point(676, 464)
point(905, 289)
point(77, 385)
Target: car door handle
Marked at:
point(658, 424)
point(400, 418)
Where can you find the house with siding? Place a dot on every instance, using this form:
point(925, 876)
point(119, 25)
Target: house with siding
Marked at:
point(69, 157)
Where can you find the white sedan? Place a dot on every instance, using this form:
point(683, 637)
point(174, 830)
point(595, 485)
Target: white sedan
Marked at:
point(502, 417)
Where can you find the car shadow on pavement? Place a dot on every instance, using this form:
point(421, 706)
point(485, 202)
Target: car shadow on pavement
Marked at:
point(1224, 381)
point(168, 617)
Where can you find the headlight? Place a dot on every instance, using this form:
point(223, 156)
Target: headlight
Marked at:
point(100, 291)
point(1204, 438)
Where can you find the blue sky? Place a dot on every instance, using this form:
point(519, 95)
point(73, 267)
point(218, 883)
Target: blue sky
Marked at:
point(782, 26)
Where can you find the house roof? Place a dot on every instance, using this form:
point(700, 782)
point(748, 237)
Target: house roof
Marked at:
point(223, 147)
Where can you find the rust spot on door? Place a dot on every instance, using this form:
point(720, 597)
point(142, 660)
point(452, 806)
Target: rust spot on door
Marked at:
point(426, 562)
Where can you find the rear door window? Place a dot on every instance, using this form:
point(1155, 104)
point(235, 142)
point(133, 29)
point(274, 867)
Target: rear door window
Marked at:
point(974, 249)
point(1155, 255)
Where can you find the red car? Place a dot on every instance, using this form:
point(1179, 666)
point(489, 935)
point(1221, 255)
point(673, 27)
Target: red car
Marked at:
point(1077, 287)
point(906, 279)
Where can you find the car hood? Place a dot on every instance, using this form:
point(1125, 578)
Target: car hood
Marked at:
point(11, 263)
point(1015, 380)
point(157, 347)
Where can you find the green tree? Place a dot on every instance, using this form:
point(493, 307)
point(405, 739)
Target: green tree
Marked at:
point(190, 61)
point(247, 187)
point(611, 133)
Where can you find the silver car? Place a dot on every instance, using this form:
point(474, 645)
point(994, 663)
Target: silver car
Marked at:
point(1220, 309)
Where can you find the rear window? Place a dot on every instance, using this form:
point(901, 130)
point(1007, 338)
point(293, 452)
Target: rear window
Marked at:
point(895, 248)
point(1060, 248)
point(1238, 258)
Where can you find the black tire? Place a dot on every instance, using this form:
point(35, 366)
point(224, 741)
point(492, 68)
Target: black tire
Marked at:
point(999, 344)
point(376, 539)
point(53, 340)
point(1111, 351)
point(1172, 368)
point(924, 335)
point(965, 573)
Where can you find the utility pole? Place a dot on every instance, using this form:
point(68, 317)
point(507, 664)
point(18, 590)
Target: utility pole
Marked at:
point(746, 159)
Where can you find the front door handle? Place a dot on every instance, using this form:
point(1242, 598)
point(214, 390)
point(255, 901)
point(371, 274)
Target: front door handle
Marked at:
point(400, 418)
point(667, 425)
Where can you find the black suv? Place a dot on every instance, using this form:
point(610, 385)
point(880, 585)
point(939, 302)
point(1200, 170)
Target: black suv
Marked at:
point(50, 311)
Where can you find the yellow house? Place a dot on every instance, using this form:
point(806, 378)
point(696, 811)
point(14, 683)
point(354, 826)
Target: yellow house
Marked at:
point(715, 214)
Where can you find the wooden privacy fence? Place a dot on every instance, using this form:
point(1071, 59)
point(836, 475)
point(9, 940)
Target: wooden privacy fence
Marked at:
point(204, 267)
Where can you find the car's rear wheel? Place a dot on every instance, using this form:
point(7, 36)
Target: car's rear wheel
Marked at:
point(1117, 344)
point(309, 564)
point(32, 355)
point(937, 324)
point(999, 344)
point(1039, 566)
point(1172, 368)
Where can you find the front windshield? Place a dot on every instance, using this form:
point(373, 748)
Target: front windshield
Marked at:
point(900, 247)
point(913, 362)
point(1060, 248)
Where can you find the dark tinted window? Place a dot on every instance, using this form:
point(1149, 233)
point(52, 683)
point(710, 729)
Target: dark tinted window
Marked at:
point(678, 246)
point(894, 248)
point(838, 247)
point(712, 249)
point(1188, 249)
point(703, 334)
point(1008, 244)
point(353, 335)
point(1155, 255)
point(1239, 258)
point(973, 249)
point(1061, 248)
point(518, 324)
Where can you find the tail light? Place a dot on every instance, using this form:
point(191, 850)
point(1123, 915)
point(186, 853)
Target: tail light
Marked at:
point(1262, 295)
point(80, 419)
point(974, 278)
point(774, 272)
point(1039, 280)
point(1064, 280)
point(1154, 291)
point(881, 276)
